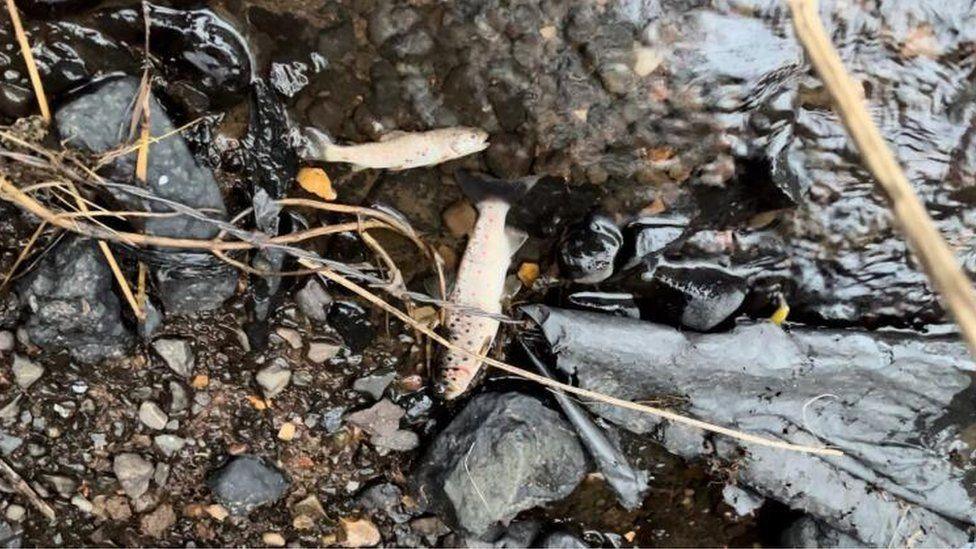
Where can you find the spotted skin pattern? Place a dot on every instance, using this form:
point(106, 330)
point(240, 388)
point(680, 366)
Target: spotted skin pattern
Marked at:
point(479, 284)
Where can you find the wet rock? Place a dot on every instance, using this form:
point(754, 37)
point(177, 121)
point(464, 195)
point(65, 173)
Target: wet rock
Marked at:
point(246, 483)
point(9, 310)
point(353, 324)
point(374, 385)
point(274, 378)
point(177, 354)
point(10, 537)
point(26, 371)
point(314, 300)
point(9, 443)
point(614, 304)
point(133, 473)
point(588, 250)
point(809, 532)
point(697, 296)
point(852, 390)
point(47, 8)
point(71, 305)
point(152, 416)
point(386, 498)
point(503, 454)
point(562, 540)
point(157, 523)
point(97, 121)
point(649, 236)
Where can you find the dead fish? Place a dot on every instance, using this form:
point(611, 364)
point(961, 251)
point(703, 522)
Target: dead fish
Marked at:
point(399, 150)
point(481, 277)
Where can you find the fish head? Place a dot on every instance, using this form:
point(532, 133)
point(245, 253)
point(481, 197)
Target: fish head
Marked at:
point(469, 140)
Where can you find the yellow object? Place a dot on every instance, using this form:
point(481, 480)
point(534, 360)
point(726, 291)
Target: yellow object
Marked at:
point(317, 182)
point(257, 402)
point(200, 381)
point(528, 273)
point(287, 432)
point(779, 316)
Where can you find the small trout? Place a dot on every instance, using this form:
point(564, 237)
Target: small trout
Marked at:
point(399, 150)
point(480, 278)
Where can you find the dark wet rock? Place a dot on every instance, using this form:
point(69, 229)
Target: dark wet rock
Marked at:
point(374, 385)
point(9, 310)
point(352, 322)
point(47, 8)
point(809, 532)
point(195, 47)
point(615, 304)
point(871, 395)
point(11, 537)
point(133, 473)
point(314, 300)
point(562, 540)
point(98, 120)
point(386, 498)
point(71, 306)
point(503, 454)
point(245, 483)
point(697, 296)
point(588, 250)
point(650, 236)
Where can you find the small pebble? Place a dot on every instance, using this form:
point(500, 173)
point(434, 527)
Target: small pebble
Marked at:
point(26, 371)
point(291, 336)
point(7, 341)
point(359, 533)
point(287, 431)
point(319, 352)
point(15, 513)
point(460, 218)
point(273, 539)
point(82, 504)
point(152, 416)
point(218, 512)
point(177, 354)
point(273, 379)
point(200, 381)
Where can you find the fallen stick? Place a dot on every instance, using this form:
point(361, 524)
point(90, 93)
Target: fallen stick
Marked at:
point(923, 237)
point(21, 487)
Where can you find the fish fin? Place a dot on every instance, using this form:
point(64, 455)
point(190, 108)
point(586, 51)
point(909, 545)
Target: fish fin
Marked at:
point(358, 168)
point(479, 187)
point(392, 135)
point(317, 145)
point(516, 238)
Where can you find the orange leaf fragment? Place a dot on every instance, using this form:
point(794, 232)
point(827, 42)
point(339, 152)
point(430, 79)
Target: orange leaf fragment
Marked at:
point(317, 182)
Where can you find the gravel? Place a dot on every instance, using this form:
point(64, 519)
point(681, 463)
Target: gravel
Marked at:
point(177, 354)
point(133, 473)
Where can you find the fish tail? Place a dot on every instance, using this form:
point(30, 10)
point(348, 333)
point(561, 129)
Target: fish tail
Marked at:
point(317, 145)
point(479, 187)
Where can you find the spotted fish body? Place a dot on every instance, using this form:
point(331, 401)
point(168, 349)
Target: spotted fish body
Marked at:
point(400, 150)
point(480, 279)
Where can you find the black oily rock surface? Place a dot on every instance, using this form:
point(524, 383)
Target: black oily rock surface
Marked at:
point(849, 262)
point(506, 448)
point(98, 120)
point(71, 306)
point(245, 483)
point(694, 295)
point(899, 407)
point(588, 250)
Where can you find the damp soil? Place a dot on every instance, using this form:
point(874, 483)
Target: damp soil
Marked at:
point(615, 103)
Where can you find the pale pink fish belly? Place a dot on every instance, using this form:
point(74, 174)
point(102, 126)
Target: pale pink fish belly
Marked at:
point(479, 284)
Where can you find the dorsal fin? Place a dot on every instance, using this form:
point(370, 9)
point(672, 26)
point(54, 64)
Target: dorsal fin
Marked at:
point(478, 187)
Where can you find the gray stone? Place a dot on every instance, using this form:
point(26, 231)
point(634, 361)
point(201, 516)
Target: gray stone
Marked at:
point(82, 504)
point(98, 121)
point(7, 341)
point(314, 301)
point(15, 513)
point(503, 454)
point(374, 385)
point(71, 304)
point(178, 398)
point(273, 379)
point(169, 444)
point(64, 486)
point(177, 354)
point(320, 351)
point(245, 483)
point(133, 473)
point(152, 416)
point(26, 371)
point(10, 537)
point(9, 443)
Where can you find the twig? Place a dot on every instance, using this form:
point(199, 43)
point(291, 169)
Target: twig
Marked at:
point(666, 414)
point(112, 263)
point(923, 237)
point(24, 489)
point(22, 256)
point(25, 50)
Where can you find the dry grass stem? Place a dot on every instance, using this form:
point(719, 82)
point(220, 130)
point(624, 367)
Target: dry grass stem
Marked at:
point(935, 256)
point(22, 256)
point(25, 50)
point(21, 487)
point(666, 414)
